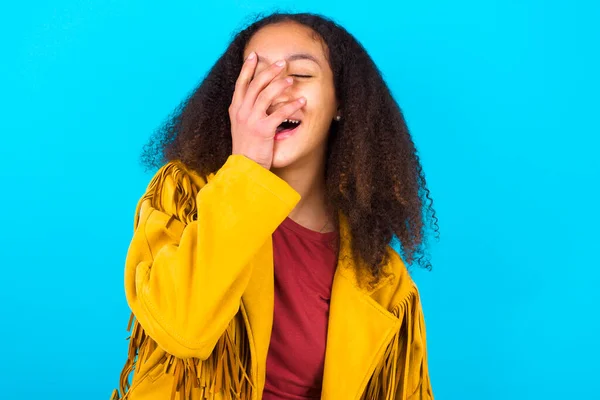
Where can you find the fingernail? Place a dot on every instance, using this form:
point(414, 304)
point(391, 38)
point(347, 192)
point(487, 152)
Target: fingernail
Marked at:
point(302, 100)
point(280, 63)
point(289, 80)
point(251, 56)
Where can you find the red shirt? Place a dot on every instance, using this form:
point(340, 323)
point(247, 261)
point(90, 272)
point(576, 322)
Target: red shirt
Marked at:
point(305, 263)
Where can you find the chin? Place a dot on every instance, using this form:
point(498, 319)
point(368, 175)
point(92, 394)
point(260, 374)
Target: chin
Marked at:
point(297, 155)
point(282, 160)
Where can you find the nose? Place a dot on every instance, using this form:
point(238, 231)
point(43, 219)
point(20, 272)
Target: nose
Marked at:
point(281, 99)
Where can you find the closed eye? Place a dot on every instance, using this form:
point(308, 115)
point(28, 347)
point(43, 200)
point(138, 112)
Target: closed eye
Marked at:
point(301, 76)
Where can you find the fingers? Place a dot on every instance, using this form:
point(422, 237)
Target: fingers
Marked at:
point(244, 79)
point(268, 95)
point(275, 119)
point(258, 84)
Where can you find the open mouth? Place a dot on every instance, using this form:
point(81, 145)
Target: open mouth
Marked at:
point(288, 125)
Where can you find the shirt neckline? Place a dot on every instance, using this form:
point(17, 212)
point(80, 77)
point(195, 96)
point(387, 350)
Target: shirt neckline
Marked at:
point(303, 231)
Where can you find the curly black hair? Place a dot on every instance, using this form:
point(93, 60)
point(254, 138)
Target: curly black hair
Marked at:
point(373, 173)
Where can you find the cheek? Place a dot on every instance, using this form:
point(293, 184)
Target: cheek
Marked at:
point(320, 101)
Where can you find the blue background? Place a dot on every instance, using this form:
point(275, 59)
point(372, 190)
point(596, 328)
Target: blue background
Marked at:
point(502, 100)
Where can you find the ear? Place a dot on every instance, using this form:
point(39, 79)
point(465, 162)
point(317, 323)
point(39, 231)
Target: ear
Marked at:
point(338, 114)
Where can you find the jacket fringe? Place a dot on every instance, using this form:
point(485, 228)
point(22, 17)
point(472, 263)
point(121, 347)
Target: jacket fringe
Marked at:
point(392, 379)
point(182, 204)
point(226, 369)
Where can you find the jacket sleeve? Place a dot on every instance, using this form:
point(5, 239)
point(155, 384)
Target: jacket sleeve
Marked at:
point(419, 384)
point(404, 370)
point(184, 277)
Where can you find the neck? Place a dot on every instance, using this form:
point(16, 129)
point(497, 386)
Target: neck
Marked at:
point(308, 179)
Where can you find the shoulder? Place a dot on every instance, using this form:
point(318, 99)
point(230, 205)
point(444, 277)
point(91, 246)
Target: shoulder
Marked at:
point(396, 286)
point(173, 190)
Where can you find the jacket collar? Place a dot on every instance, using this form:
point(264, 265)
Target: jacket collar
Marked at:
point(359, 327)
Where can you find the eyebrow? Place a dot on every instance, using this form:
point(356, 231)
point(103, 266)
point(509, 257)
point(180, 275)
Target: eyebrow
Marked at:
point(294, 57)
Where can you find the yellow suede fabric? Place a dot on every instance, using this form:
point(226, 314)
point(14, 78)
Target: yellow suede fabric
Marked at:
point(199, 282)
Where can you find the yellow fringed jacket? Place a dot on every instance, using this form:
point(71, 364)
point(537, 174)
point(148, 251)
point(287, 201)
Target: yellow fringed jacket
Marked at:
point(199, 282)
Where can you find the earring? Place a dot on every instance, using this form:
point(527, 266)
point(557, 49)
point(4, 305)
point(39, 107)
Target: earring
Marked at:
point(338, 117)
